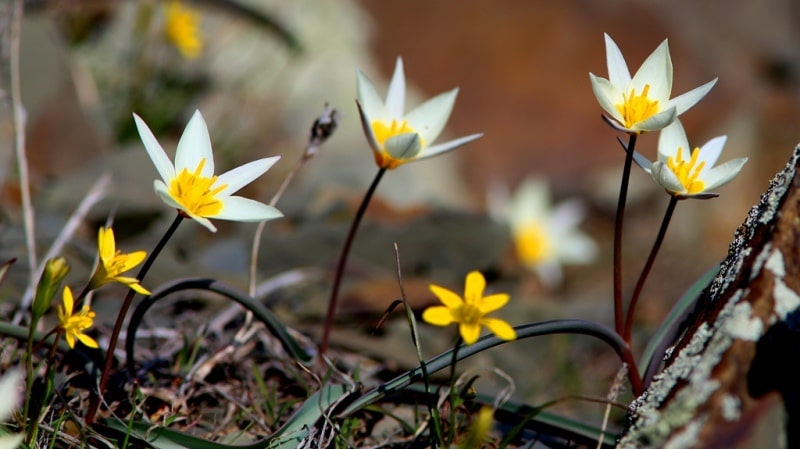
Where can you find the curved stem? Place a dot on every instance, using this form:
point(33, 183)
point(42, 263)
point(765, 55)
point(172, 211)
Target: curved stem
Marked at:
point(337, 280)
point(570, 326)
point(126, 303)
point(673, 201)
point(623, 195)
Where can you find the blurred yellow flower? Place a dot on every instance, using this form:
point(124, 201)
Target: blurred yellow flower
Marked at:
point(114, 262)
point(545, 236)
point(73, 325)
point(469, 312)
point(642, 103)
point(397, 137)
point(182, 29)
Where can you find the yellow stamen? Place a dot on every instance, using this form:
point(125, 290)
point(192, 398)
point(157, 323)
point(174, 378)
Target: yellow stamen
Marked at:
point(194, 192)
point(468, 314)
point(687, 172)
point(637, 108)
point(533, 244)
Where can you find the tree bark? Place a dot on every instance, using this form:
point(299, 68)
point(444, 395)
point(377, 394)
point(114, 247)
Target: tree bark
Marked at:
point(732, 380)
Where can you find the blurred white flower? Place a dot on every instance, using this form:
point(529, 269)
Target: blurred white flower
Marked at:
point(395, 137)
point(545, 237)
point(190, 184)
point(686, 173)
point(9, 394)
point(642, 103)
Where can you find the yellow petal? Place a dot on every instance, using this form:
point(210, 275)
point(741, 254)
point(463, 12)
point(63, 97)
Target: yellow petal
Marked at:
point(133, 259)
point(70, 339)
point(447, 297)
point(469, 332)
point(502, 329)
point(87, 340)
point(68, 302)
point(473, 287)
point(106, 245)
point(493, 302)
point(438, 316)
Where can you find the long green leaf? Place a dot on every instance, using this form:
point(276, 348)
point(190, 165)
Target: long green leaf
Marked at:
point(524, 331)
point(288, 437)
point(259, 311)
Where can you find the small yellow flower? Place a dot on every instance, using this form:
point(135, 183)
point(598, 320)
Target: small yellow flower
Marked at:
point(114, 262)
point(469, 312)
point(479, 429)
point(73, 325)
point(183, 29)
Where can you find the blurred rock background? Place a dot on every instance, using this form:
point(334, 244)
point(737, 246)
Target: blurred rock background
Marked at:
point(522, 67)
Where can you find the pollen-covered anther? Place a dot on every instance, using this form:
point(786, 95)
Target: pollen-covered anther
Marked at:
point(689, 171)
point(196, 192)
point(637, 108)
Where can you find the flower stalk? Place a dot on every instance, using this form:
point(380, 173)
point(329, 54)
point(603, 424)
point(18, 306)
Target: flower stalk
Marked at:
point(126, 303)
point(623, 195)
point(337, 278)
point(662, 231)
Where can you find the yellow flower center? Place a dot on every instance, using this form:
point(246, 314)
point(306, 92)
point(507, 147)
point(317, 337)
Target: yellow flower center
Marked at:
point(194, 192)
point(688, 171)
point(118, 264)
point(468, 314)
point(533, 244)
point(637, 108)
point(182, 29)
point(76, 324)
point(382, 133)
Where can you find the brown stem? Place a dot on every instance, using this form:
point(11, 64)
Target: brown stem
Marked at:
point(337, 280)
point(126, 303)
point(623, 195)
point(673, 201)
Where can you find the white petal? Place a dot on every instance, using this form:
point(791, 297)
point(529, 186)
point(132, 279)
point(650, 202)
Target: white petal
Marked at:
point(429, 118)
point(160, 159)
point(656, 71)
point(685, 101)
point(369, 100)
point(642, 161)
point(163, 192)
point(193, 146)
point(237, 208)
point(9, 392)
point(607, 95)
point(709, 153)
point(11, 441)
point(531, 203)
point(205, 222)
point(618, 73)
point(244, 174)
point(658, 121)
point(576, 248)
point(396, 96)
point(367, 127)
point(403, 146)
point(549, 273)
point(567, 215)
point(448, 146)
point(670, 139)
point(723, 174)
point(666, 178)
